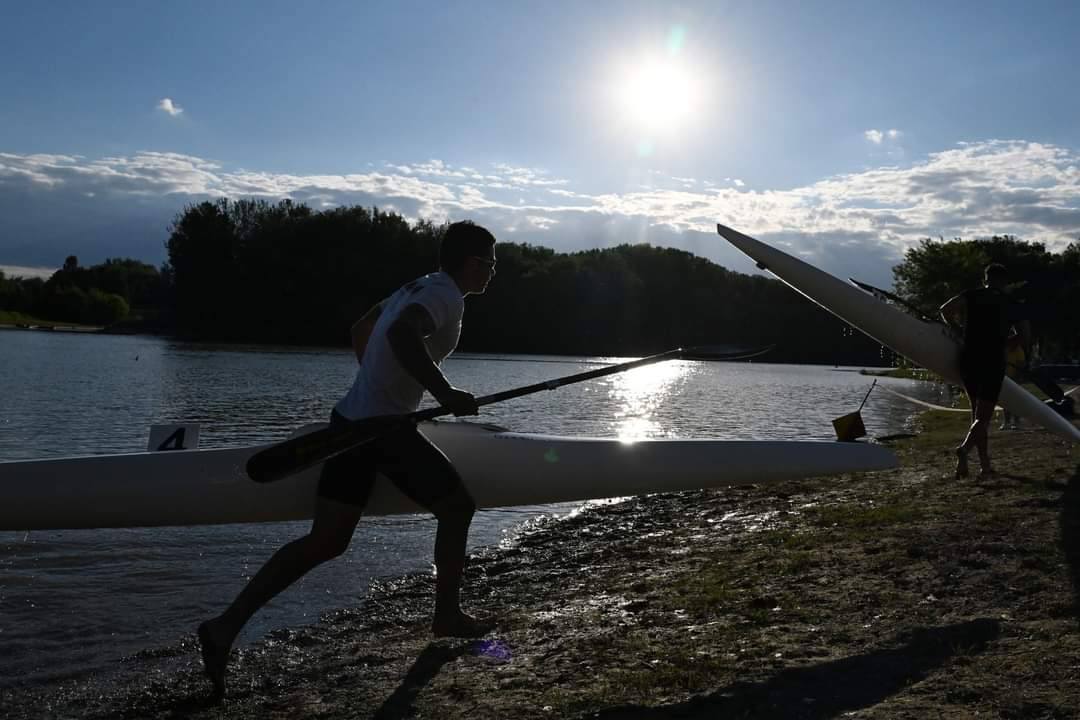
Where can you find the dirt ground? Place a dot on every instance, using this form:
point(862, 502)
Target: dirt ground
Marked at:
point(899, 594)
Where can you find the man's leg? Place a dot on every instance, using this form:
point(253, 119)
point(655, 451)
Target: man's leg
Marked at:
point(330, 534)
point(972, 390)
point(425, 474)
point(454, 514)
point(984, 416)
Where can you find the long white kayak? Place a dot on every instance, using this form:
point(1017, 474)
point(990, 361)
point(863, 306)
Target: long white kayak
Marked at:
point(944, 408)
point(928, 344)
point(500, 468)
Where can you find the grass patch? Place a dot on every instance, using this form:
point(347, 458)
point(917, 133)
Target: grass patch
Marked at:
point(937, 430)
point(702, 592)
point(657, 664)
point(859, 519)
point(789, 540)
point(10, 317)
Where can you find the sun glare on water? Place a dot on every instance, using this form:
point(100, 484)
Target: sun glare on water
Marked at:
point(638, 395)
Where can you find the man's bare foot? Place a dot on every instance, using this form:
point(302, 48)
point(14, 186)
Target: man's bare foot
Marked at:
point(215, 655)
point(460, 625)
point(961, 463)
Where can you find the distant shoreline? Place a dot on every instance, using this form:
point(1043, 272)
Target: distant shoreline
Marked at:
point(101, 330)
point(55, 327)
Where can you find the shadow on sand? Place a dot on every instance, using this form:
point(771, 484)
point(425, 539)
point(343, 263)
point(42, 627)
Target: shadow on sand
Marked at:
point(427, 666)
point(832, 688)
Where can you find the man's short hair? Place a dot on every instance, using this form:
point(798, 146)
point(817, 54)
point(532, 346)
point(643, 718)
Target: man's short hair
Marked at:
point(463, 240)
point(996, 271)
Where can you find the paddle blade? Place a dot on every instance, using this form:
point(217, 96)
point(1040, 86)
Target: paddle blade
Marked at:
point(849, 427)
point(299, 453)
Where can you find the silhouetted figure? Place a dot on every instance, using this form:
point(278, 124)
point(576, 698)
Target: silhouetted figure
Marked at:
point(399, 344)
point(985, 316)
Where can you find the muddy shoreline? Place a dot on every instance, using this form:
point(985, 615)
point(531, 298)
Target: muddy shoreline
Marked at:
point(899, 594)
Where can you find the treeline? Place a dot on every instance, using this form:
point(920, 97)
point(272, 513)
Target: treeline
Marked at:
point(104, 294)
point(259, 272)
point(253, 271)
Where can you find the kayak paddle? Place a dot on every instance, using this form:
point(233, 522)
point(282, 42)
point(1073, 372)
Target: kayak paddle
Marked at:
point(295, 454)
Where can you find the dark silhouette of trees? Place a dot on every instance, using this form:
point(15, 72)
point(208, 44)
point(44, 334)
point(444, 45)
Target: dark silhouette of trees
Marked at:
point(102, 294)
point(255, 271)
point(20, 294)
point(252, 271)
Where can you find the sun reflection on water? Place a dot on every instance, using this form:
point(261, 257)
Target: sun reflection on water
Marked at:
point(637, 396)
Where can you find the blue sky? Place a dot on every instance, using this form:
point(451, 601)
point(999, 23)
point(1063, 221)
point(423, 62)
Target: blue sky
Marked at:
point(845, 130)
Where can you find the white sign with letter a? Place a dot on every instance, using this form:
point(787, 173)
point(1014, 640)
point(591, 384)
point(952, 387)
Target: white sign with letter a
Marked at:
point(176, 436)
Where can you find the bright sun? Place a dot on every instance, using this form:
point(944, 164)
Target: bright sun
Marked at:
point(656, 95)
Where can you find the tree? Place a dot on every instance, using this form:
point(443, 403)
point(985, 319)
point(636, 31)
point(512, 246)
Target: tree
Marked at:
point(202, 264)
point(933, 272)
point(103, 308)
point(1047, 284)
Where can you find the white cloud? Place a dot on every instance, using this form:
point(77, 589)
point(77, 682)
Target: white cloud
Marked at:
point(12, 271)
point(879, 136)
point(1027, 189)
point(167, 105)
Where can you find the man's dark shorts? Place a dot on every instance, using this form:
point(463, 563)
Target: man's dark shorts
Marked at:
point(410, 460)
point(982, 374)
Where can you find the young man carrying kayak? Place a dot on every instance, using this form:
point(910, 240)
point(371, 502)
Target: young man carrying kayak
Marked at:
point(988, 315)
point(399, 344)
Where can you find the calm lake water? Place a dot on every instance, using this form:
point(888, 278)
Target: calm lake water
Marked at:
point(73, 602)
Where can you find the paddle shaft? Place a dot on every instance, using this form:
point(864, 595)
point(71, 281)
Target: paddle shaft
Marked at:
point(432, 413)
point(867, 397)
point(295, 454)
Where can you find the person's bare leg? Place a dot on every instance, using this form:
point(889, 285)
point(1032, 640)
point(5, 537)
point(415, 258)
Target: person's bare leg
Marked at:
point(455, 515)
point(962, 450)
point(330, 534)
point(984, 417)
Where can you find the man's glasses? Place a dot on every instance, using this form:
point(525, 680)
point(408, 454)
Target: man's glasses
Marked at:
point(487, 261)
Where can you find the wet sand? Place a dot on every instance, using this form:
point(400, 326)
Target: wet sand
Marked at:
point(900, 594)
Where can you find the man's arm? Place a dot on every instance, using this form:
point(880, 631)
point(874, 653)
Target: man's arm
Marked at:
point(361, 330)
point(952, 312)
point(406, 336)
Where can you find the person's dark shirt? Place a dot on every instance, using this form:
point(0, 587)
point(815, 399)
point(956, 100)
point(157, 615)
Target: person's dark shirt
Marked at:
point(990, 315)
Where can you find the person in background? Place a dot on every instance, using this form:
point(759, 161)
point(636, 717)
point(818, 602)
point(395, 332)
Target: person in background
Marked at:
point(1015, 362)
point(399, 344)
point(985, 316)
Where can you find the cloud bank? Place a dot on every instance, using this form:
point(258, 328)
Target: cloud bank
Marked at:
point(854, 224)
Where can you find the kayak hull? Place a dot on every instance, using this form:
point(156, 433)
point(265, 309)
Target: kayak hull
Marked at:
point(500, 468)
